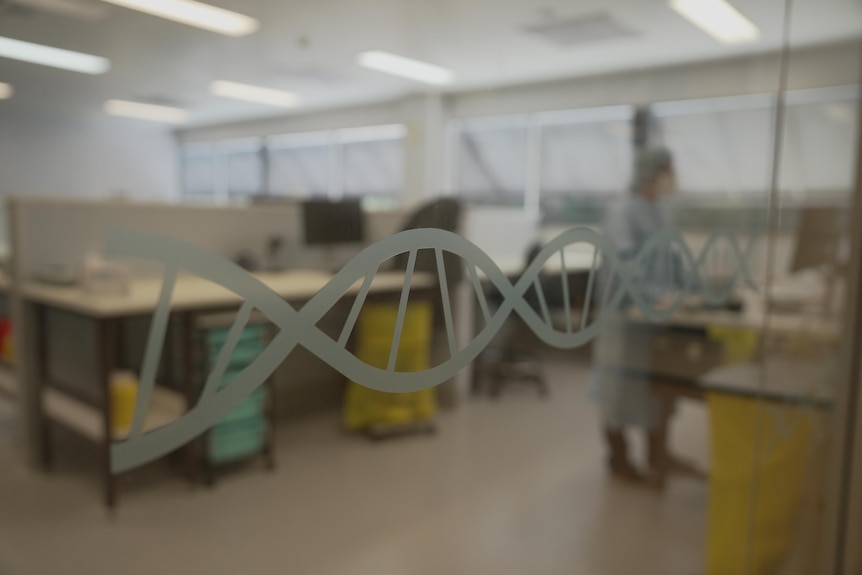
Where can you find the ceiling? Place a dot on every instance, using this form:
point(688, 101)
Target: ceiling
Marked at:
point(310, 48)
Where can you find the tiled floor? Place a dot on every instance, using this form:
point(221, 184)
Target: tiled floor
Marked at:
point(513, 486)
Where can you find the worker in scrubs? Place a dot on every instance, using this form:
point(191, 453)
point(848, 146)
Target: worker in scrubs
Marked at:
point(627, 400)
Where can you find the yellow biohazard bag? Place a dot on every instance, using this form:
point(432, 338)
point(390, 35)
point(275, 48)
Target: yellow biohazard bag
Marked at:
point(366, 407)
point(760, 454)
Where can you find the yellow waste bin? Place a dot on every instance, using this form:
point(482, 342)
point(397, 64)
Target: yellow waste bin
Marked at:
point(760, 452)
point(366, 407)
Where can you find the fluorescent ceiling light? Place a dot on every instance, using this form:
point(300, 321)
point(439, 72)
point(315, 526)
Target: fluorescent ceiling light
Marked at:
point(141, 111)
point(718, 19)
point(195, 14)
point(256, 94)
point(6, 91)
point(406, 67)
point(83, 10)
point(54, 57)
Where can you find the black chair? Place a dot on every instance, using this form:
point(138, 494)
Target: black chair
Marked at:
point(510, 359)
point(513, 357)
point(441, 214)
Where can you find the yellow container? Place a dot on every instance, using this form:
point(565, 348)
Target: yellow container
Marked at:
point(124, 395)
point(740, 344)
point(8, 351)
point(760, 453)
point(367, 407)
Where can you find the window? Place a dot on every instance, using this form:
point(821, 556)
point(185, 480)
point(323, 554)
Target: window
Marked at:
point(242, 162)
point(721, 146)
point(584, 155)
point(199, 177)
point(366, 162)
point(724, 146)
point(372, 161)
point(552, 159)
point(222, 170)
point(300, 165)
point(490, 160)
point(819, 142)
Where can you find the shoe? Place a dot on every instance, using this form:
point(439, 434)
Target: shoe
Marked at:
point(680, 466)
point(625, 471)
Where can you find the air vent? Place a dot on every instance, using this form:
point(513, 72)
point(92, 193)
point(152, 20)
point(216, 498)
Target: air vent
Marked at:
point(594, 27)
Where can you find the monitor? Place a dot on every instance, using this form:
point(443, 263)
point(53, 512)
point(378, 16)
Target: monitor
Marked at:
point(329, 223)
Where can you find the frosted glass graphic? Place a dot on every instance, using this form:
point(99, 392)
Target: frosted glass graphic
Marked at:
point(299, 326)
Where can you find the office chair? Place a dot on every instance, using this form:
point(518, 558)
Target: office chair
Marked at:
point(508, 360)
point(441, 214)
point(513, 360)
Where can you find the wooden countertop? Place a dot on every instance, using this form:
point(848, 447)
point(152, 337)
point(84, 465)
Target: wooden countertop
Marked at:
point(191, 292)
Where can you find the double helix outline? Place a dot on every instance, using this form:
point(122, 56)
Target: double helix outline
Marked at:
point(299, 326)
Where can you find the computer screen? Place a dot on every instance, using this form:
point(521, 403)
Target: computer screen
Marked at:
point(329, 223)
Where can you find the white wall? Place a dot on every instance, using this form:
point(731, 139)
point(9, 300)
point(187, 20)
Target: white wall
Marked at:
point(86, 156)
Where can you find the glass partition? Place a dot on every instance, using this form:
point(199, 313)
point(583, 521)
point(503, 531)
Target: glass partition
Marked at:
point(462, 287)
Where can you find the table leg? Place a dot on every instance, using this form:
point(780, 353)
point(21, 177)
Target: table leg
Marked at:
point(105, 346)
point(46, 451)
point(269, 452)
point(269, 447)
point(194, 456)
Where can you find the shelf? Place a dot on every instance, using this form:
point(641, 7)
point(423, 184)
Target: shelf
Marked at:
point(165, 406)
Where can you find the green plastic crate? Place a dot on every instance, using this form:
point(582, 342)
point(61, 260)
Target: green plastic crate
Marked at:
point(243, 354)
point(240, 433)
point(251, 407)
point(250, 344)
point(236, 440)
point(216, 337)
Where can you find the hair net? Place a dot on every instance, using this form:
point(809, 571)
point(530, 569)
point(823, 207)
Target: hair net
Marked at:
point(650, 161)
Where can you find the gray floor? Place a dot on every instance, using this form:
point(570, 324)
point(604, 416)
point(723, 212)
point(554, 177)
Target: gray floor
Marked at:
point(513, 486)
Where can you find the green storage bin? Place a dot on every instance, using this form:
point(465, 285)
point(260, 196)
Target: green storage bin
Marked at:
point(243, 354)
point(250, 344)
point(236, 440)
point(216, 337)
point(250, 408)
point(242, 432)
point(225, 380)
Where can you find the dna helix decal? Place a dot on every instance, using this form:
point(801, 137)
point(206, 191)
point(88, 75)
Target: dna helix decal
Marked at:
point(299, 326)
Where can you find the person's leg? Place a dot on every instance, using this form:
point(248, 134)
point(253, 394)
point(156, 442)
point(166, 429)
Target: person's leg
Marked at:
point(657, 448)
point(660, 460)
point(618, 455)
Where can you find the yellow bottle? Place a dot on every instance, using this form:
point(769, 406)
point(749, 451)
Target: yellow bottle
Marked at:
point(124, 394)
point(8, 351)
